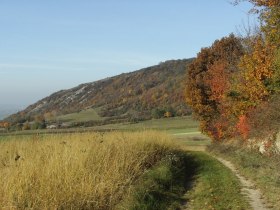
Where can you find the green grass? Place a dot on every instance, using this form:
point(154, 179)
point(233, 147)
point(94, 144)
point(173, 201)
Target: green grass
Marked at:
point(193, 139)
point(215, 186)
point(163, 186)
point(3, 138)
point(170, 125)
point(263, 170)
point(209, 183)
point(82, 116)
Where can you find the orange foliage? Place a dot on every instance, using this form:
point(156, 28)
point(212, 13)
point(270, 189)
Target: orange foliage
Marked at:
point(269, 15)
point(216, 131)
point(253, 83)
point(243, 126)
point(209, 84)
point(266, 3)
point(218, 80)
point(4, 125)
point(226, 81)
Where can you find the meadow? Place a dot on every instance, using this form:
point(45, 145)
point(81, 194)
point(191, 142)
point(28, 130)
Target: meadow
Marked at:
point(84, 115)
point(172, 125)
point(134, 168)
point(77, 171)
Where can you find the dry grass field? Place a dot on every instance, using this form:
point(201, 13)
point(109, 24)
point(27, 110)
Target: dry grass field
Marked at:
point(76, 171)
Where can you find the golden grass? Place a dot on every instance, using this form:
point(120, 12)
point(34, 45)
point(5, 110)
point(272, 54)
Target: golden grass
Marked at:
point(76, 171)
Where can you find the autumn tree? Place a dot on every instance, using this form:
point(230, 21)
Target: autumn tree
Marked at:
point(275, 79)
point(257, 70)
point(269, 16)
point(5, 125)
point(264, 58)
point(26, 126)
point(208, 84)
point(259, 78)
point(230, 80)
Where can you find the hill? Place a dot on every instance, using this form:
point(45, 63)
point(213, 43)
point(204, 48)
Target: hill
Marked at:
point(8, 109)
point(143, 94)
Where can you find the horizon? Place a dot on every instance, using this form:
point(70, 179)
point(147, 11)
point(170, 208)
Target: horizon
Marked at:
point(56, 46)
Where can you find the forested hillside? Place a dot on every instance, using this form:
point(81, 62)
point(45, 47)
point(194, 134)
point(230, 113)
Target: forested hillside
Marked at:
point(150, 92)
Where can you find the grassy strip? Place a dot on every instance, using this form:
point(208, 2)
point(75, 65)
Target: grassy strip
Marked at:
point(263, 170)
point(82, 116)
point(215, 186)
point(164, 186)
point(172, 125)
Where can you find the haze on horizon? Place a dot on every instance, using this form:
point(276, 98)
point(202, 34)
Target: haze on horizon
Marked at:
point(47, 46)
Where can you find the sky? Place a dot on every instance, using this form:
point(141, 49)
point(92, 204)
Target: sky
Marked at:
point(49, 45)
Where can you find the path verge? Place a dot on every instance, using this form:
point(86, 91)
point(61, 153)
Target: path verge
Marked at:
point(248, 188)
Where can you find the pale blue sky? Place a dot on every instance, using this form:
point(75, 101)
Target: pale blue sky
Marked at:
point(48, 45)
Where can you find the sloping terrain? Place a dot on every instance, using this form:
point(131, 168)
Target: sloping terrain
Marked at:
point(136, 95)
point(7, 109)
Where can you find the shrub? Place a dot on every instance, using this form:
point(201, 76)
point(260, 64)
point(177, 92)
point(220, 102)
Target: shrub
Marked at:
point(264, 120)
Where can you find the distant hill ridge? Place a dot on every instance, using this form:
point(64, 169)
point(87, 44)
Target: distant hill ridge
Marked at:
point(7, 109)
point(134, 95)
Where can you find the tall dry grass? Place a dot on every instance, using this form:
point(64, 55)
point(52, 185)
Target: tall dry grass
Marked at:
point(76, 171)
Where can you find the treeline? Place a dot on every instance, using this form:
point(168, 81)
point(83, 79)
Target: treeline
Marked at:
point(233, 86)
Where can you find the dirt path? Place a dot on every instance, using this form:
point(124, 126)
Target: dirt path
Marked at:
point(248, 188)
